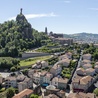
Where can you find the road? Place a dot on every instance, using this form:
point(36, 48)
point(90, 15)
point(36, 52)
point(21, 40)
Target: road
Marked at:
point(4, 74)
point(79, 64)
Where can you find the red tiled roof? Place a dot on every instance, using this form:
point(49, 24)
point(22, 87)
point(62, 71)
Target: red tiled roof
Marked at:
point(23, 93)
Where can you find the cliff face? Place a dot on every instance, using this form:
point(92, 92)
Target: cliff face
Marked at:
point(25, 26)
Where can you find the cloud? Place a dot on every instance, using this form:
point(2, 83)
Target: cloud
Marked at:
point(30, 16)
point(67, 1)
point(96, 9)
point(12, 18)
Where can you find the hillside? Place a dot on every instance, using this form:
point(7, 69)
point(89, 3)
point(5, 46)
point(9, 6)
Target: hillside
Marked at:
point(18, 36)
point(83, 36)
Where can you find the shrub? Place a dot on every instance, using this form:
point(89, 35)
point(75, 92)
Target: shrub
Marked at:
point(96, 91)
point(18, 67)
point(2, 89)
point(25, 71)
point(68, 76)
point(10, 92)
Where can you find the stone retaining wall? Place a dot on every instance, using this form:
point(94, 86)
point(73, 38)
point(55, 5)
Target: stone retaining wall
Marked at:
point(33, 54)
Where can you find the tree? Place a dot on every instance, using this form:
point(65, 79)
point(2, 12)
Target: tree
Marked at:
point(17, 36)
point(25, 71)
point(34, 96)
point(85, 46)
point(73, 63)
point(13, 69)
point(95, 55)
point(18, 68)
point(8, 62)
point(10, 92)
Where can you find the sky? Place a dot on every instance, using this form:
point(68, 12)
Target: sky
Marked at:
point(59, 16)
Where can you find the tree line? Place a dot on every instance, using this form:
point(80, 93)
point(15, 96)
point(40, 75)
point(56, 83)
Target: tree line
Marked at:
point(8, 62)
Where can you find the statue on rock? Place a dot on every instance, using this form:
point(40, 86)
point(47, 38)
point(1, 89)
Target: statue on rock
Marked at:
point(21, 11)
point(26, 28)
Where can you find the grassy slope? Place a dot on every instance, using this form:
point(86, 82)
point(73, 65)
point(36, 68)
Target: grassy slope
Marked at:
point(31, 61)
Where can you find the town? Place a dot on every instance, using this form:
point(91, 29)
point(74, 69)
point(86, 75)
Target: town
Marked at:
point(45, 64)
point(73, 74)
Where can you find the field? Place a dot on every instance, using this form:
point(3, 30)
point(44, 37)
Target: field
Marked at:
point(31, 61)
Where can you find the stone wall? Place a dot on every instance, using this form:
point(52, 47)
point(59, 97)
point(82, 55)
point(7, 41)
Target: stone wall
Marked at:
point(33, 54)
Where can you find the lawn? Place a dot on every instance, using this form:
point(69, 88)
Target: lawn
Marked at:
point(31, 61)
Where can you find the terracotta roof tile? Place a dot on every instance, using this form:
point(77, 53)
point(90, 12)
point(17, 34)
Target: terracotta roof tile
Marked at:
point(23, 93)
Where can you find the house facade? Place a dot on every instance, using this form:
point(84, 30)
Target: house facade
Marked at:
point(87, 56)
point(63, 57)
point(82, 85)
point(96, 68)
point(11, 81)
point(27, 83)
point(85, 62)
point(42, 77)
point(81, 95)
point(69, 55)
point(55, 70)
point(90, 71)
point(62, 41)
point(20, 81)
point(44, 64)
point(31, 72)
point(47, 78)
point(64, 62)
point(59, 82)
point(36, 77)
point(86, 66)
point(80, 71)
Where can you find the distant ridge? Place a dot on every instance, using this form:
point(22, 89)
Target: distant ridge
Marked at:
point(81, 35)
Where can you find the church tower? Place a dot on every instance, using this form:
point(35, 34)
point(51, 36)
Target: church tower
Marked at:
point(46, 32)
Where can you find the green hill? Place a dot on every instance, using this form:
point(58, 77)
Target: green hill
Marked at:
point(18, 36)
